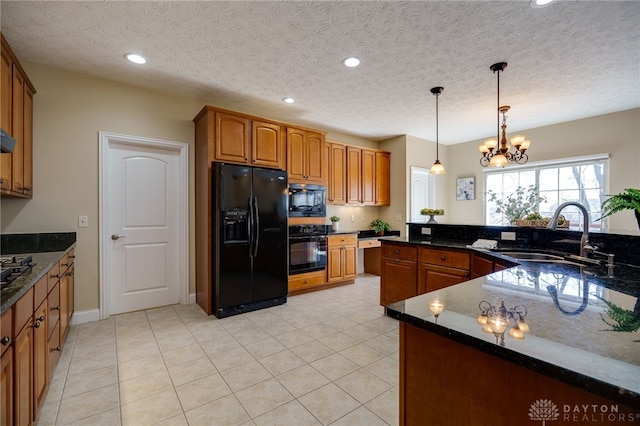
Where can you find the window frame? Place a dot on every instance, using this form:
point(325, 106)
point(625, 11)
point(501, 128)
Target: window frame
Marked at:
point(550, 164)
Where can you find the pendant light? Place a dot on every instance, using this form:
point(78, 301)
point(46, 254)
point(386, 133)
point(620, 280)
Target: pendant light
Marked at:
point(496, 152)
point(437, 168)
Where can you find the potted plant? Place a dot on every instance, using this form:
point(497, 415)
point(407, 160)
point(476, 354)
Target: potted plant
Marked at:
point(629, 199)
point(517, 204)
point(380, 226)
point(334, 222)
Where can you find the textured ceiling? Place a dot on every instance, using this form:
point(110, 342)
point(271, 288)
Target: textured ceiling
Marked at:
point(566, 61)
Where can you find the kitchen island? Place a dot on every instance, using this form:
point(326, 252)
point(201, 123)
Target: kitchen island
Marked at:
point(570, 368)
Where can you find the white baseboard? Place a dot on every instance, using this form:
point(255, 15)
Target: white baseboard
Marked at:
point(192, 298)
point(80, 317)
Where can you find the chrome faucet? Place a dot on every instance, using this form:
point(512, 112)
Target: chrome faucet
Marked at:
point(585, 247)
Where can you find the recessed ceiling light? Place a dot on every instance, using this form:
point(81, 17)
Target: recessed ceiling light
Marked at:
point(135, 58)
point(288, 100)
point(351, 62)
point(540, 3)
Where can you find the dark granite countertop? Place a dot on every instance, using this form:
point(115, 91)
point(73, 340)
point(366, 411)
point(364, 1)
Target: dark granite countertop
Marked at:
point(567, 307)
point(45, 248)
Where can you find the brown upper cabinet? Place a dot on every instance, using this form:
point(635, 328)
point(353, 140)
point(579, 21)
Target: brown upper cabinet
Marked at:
point(358, 175)
point(239, 139)
point(306, 156)
point(337, 173)
point(16, 118)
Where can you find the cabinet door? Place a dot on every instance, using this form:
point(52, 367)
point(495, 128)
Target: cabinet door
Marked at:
point(27, 140)
point(232, 138)
point(315, 158)
point(40, 356)
point(23, 375)
point(350, 262)
point(368, 177)
point(334, 264)
point(354, 180)
point(267, 145)
point(383, 178)
point(64, 306)
point(397, 280)
point(296, 154)
point(6, 388)
point(436, 277)
point(337, 173)
point(17, 129)
point(5, 117)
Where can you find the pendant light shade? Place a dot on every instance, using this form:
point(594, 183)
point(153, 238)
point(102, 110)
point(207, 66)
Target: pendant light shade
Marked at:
point(437, 168)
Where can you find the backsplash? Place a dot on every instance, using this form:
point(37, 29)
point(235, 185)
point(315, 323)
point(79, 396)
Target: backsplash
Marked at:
point(36, 242)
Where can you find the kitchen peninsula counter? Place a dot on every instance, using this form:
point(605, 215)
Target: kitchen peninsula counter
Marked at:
point(570, 357)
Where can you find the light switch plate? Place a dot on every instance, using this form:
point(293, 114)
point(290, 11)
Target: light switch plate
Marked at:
point(83, 221)
point(508, 236)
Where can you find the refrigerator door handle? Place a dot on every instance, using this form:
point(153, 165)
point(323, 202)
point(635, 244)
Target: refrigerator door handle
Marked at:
point(256, 218)
point(250, 227)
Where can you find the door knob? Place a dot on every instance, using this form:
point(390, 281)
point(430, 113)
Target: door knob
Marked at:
point(115, 237)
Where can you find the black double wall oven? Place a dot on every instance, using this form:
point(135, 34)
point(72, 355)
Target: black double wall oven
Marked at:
point(307, 248)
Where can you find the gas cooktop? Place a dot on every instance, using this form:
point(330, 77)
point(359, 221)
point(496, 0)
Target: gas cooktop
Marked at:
point(11, 267)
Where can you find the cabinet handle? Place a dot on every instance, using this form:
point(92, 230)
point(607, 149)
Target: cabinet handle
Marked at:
point(70, 273)
point(56, 276)
point(66, 264)
point(396, 260)
point(57, 308)
point(466, 275)
point(1, 180)
point(27, 189)
point(443, 258)
point(40, 318)
point(36, 324)
point(396, 251)
point(5, 340)
point(72, 256)
point(57, 348)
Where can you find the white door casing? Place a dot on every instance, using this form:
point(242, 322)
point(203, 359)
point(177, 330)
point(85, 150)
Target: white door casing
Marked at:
point(143, 223)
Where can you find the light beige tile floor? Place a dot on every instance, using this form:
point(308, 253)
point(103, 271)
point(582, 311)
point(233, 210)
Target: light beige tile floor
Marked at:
point(329, 357)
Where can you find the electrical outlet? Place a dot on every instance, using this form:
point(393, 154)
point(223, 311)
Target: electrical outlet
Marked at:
point(508, 236)
point(83, 222)
point(353, 218)
point(425, 231)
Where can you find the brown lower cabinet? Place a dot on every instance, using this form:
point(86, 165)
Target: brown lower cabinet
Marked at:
point(32, 333)
point(342, 257)
point(398, 270)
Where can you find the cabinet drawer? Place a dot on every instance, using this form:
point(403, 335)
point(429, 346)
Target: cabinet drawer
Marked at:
point(6, 329)
point(305, 282)
point(400, 252)
point(54, 275)
point(451, 259)
point(66, 261)
point(368, 243)
point(342, 239)
point(53, 302)
point(41, 291)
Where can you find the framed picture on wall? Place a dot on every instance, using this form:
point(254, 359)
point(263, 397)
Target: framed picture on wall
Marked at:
point(466, 188)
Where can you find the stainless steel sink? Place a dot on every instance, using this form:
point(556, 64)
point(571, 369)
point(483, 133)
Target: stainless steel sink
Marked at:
point(528, 256)
point(532, 256)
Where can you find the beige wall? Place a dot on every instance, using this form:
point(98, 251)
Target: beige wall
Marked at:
point(70, 109)
point(617, 134)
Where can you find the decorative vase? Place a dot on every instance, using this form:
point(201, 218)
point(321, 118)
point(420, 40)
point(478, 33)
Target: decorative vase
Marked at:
point(334, 226)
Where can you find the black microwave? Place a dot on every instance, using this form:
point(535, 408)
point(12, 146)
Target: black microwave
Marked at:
point(307, 200)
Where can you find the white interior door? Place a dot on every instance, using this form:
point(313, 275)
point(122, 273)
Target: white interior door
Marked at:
point(143, 215)
point(423, 193)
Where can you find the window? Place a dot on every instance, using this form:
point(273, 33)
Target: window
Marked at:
point(581, 179)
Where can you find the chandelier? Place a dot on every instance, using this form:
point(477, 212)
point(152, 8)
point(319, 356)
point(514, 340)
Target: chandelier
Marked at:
point(437, 168)
point(494, 155)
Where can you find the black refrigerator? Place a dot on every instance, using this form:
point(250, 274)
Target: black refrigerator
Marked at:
point(250, 238)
